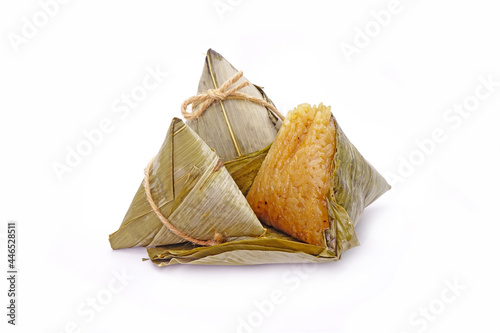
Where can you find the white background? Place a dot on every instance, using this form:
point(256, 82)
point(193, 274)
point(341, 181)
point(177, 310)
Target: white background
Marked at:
point(438, 225)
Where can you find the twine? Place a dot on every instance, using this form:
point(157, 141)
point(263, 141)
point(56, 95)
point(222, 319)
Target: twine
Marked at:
point(218, 238)
point(204, 100)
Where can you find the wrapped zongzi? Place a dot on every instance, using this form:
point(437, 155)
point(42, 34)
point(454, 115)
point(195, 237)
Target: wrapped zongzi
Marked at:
point(193, 190)
point(233, 127)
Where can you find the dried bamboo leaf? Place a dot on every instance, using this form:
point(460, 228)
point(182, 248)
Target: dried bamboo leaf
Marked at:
point(234, 127)
point(355, 185)
point(269, 248)
point(244, 169)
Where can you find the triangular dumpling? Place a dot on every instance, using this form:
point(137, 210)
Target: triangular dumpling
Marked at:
point(193, 190)
point(233, 127)
point(314, 184)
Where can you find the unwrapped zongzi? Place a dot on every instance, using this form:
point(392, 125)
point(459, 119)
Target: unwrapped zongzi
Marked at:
point(290, 190)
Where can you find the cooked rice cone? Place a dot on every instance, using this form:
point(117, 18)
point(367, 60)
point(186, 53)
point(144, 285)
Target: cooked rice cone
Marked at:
point(290, 189)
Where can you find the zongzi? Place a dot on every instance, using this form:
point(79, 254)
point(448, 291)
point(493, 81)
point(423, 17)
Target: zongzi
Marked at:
point(193, 190)
point(233, 127)
point(294, 183)
point(290, 188)
point(300, 175)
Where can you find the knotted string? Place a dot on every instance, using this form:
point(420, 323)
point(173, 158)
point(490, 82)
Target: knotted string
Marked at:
point(226, 91)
